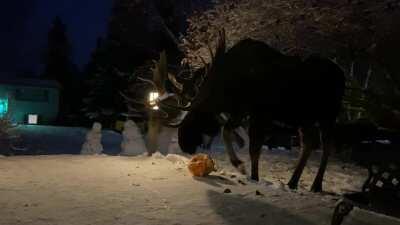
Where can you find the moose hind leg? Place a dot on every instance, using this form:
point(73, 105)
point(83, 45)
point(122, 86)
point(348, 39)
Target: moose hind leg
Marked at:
point(305, 148)
point(227, 135)
point(326, 144)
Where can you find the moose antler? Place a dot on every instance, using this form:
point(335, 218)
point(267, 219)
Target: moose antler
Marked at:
point(131, 100)
point(160, 73)
point(147, 81)
point(173, 80)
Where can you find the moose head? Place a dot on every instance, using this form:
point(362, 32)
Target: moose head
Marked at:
point(187, 84)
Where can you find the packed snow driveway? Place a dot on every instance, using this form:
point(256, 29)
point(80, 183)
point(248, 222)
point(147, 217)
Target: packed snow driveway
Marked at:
point(111, 190)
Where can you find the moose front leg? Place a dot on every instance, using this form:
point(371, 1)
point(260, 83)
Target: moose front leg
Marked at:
point(305, 148)
point(227, 135)
point(256, 137)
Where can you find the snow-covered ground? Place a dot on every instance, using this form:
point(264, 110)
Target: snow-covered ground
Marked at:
point(108, 190)
point(113, 190)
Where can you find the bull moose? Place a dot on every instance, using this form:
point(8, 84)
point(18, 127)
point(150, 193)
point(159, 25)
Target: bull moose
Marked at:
point(254, 82)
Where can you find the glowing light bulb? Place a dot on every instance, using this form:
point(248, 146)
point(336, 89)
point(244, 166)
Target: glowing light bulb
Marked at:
point(153, 96)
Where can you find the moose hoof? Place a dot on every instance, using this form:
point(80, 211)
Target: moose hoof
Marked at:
point(316, 188)
point(254, 178)
point(292, 185)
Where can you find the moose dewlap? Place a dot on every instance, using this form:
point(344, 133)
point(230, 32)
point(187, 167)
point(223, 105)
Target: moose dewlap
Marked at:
point(201, 165)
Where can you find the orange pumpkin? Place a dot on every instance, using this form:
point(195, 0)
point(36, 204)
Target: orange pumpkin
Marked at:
point(201, 165)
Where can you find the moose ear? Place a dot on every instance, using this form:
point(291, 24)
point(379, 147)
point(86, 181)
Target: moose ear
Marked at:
point(221, 44)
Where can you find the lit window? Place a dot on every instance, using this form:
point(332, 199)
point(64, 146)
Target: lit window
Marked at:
point(152, 100)
point(3, 106)
point(32, 119)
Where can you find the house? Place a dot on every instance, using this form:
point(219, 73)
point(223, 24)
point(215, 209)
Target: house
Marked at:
point(29, 101)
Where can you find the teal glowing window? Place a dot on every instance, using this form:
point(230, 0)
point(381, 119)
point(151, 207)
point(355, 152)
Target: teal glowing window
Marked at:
point(3, 106)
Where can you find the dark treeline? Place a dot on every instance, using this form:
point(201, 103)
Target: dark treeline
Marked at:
point(137, 32)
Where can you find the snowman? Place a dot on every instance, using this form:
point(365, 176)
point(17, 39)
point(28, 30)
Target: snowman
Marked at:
point(132, 140)
point(92, 143)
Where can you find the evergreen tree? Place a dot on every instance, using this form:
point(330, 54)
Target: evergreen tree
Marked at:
point(137, 32)
point(59, 67)
point(102, 101)
point(140, 29)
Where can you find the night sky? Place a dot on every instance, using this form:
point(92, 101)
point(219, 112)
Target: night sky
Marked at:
point(25, 23)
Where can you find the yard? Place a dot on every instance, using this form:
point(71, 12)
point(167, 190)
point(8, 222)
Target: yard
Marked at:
point(108, 190)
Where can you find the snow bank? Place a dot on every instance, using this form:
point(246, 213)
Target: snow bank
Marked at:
point(49, 140)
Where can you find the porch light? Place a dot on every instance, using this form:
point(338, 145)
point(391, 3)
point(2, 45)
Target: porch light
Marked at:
point(153, 96)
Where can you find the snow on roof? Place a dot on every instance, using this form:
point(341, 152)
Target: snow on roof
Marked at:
point(30, 82)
